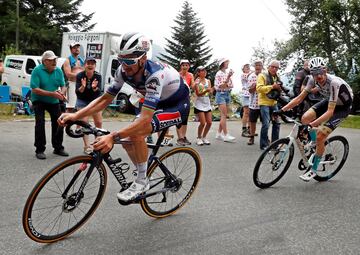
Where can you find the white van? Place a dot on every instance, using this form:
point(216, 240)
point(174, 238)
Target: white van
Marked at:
point(18, 69)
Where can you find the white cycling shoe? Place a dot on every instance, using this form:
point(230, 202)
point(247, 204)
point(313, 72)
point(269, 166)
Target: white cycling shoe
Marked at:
point(134, 190)
point(307, 176)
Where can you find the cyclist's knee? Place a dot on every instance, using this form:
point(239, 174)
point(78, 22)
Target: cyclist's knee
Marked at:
point(308, 116)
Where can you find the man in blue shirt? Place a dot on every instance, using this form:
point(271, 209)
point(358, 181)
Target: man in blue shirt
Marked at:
point(46, 79)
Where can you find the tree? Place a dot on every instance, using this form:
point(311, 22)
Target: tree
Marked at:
point(327, 28)
point(42, 23)
point(188, 41)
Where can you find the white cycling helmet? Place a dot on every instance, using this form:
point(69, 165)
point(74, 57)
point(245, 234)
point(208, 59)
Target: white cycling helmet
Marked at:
point(134, 43)
point(317, 63)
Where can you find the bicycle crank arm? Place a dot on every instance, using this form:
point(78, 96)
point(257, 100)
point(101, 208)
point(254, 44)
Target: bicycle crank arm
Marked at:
point(153, 193)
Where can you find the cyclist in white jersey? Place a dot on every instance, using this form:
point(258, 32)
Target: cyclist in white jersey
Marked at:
point(328, 113)
point(166, 104)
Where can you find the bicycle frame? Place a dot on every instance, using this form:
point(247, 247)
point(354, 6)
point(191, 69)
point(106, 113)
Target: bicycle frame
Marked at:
point(118, 170)
point(294, 139)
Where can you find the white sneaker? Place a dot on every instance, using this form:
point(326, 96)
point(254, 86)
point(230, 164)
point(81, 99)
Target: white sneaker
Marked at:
point(307, 176)
point(219, 136)
point(133, 191)
point(167, 140)
point(206, 141)
point(228, 138)
point(199, 141)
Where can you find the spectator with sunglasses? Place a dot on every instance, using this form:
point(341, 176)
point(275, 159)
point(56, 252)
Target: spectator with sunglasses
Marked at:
point(166, 104)
point(328, 113)
point(267, 82)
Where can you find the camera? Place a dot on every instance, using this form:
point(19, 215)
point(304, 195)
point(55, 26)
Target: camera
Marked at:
point(283, 88)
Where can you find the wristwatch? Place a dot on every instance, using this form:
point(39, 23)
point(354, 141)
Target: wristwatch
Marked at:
point(116, 137)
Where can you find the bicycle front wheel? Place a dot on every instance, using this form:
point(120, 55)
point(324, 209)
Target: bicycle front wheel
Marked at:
point(333, 159)
point(273, 163)
point(170, 193)
point(50, 213)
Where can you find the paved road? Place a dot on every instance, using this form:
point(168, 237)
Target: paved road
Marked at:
point(227, 214)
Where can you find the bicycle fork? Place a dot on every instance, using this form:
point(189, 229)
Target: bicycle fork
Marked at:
point(73, 201)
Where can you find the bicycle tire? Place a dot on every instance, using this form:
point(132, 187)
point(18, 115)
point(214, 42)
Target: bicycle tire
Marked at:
point(274, 148)
point(45, 209)
point(322, 173)
point(156, 206)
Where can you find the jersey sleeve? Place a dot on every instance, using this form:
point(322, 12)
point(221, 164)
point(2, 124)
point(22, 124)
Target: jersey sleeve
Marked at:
point(309, 85)
point(117, 83)
point(153, 86)
point(334, 90)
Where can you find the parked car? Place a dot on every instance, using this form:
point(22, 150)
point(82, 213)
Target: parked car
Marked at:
point(18, 69)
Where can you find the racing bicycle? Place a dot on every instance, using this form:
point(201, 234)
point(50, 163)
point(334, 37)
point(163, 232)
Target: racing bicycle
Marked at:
point(68, 195)
point(276, 159)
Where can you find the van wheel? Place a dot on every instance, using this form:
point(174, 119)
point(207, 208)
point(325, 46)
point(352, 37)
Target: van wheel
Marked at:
point(123, 103)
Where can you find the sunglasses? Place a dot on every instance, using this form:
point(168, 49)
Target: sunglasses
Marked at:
point(275, 67)
point(316, 72)
point(129, 61)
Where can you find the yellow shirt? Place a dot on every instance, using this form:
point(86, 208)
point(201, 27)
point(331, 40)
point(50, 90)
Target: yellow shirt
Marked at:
point(262, 89)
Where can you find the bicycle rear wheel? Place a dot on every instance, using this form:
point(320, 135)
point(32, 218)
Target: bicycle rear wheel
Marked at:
point(50, 214)
point(273, 163)
point(336, 153)
point(170, 194)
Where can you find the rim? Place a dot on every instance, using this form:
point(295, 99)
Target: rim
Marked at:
point(51, 215)
point(183, 165)
point(273, 164)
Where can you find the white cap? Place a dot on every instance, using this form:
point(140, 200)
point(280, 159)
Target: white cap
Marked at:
point(74, 44)
point(222, 60)
point(184, 61)
point(258, 61)
point(49, 54)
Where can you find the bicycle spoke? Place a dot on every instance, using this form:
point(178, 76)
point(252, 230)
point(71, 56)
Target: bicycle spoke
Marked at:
point(48, 216)
point(273, 163)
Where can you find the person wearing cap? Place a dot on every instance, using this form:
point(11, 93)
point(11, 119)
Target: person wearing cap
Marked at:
point(72, 66)
point(254, 108)
point(266, 82)
point(88, 88)
point(223, 85)
point(46, 79)
point(245, 100)
point(202, 105)
point(189, 80)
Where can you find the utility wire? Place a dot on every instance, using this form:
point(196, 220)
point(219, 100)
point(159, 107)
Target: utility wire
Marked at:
point(275, 16)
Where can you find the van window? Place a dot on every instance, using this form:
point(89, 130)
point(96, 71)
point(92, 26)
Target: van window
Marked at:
point(114, 66)
point(14, 63)
point(30, 65)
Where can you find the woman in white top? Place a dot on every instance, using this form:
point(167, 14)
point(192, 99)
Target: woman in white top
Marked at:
point(202, 106)
point(223, 85)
